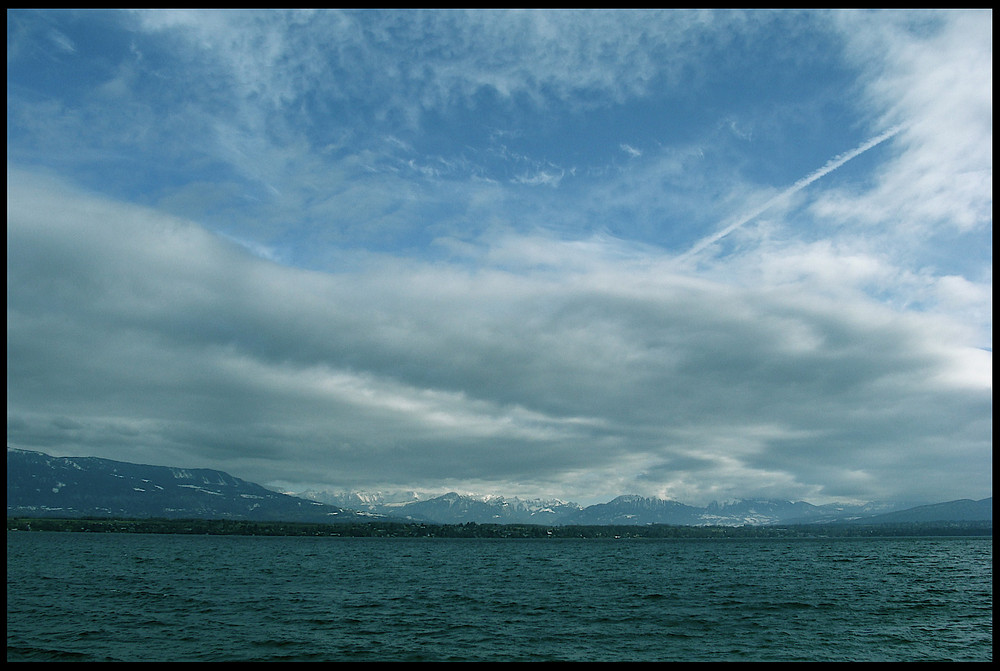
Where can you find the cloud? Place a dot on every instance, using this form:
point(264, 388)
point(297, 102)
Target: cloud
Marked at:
point(62, 42)
point(145, 337)
point(541, 178)
point(631, 151)
point(308, 247)
point(938, 79)
point(277, 56)
point(829, 167)
point(925, 213)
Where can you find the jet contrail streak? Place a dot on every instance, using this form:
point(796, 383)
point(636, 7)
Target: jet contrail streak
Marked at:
point(830, 166)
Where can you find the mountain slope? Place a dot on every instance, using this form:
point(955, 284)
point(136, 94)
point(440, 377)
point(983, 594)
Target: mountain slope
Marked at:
point(452, 508)
point(39, 485)
point(963, 510)
point(631, 509)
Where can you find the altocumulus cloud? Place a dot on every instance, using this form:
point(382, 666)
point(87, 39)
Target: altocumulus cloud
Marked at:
point(589, 369)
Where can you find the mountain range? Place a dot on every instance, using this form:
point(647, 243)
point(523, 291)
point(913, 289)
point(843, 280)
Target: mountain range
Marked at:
point(39, 485)
point(454, 508)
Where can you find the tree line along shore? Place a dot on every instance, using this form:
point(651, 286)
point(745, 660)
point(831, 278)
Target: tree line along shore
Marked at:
point(474, 530)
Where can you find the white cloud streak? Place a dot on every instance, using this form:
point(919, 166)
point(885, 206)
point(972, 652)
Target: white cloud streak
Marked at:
point(830, 166)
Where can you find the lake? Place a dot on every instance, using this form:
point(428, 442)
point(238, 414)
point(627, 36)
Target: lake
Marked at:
point(150, 597)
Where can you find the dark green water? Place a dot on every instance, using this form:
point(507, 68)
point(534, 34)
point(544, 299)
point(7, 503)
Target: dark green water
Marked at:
point(135, 597)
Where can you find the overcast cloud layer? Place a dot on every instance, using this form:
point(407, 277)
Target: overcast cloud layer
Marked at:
point(693, 255)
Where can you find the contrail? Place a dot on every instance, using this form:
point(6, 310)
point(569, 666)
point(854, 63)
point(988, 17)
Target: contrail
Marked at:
point(830, 166)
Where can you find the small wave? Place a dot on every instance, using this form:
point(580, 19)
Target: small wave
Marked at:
point(28, 654)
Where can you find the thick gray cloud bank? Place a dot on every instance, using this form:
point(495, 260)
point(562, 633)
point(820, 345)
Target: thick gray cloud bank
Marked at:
point(142, 337)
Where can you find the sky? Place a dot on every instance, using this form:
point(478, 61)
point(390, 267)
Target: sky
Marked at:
point(693, 255)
